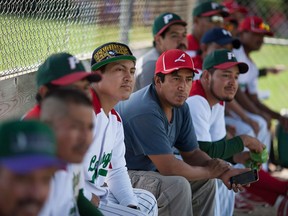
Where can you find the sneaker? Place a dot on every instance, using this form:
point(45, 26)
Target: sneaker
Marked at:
point(241, 205)
point(254, 199)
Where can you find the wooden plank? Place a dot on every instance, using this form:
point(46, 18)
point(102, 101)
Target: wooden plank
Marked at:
point(17, 96)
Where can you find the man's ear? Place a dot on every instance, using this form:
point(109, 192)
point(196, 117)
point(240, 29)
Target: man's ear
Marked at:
point(203, 48)
point(157, 80)
point(205, 75)
point(157, 39)
point(43, 90)
point(195, 19)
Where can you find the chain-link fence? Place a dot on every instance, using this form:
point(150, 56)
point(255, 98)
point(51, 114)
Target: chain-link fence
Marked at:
point(33, 29)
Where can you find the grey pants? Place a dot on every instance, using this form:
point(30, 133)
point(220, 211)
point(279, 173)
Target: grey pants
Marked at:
point(176, 195)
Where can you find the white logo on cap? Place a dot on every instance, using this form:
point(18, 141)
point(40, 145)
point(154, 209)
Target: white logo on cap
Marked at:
point(21, 141)
point(180, 58)
point(230, 55)
point(214, 5)
point(72, 62)
point(167, 18)
point(226, 32)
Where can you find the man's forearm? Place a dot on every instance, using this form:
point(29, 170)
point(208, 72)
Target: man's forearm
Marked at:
point(201, 156)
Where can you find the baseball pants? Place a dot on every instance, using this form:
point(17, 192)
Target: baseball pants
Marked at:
point(147, 205)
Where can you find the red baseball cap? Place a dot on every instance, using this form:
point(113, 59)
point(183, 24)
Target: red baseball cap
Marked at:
point(173, 60)
point(233, 7)
point(255, 24)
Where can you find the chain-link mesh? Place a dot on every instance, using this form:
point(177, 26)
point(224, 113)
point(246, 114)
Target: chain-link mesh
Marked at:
point(33, 29)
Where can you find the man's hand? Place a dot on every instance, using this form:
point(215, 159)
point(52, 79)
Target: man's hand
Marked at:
point(252, 143)
point(267, 118)
point(241, 157)
point(95, 200)
point(217, 167)
point(225, 177)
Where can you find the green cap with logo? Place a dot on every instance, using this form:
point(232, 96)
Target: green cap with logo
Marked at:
point(210, 8)
point(63, 69)
point(163, 21)
point(223, 59)
point(27, 146)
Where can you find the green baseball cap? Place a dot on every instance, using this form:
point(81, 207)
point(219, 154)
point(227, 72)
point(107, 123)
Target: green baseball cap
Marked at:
point(210, 8)
point(164, 20)
point(63, 69)
point(27, 145)
point(110, 52)
point(223, 59)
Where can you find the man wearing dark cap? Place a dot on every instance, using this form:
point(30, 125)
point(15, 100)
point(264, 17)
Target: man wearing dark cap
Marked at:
point(105, 168)
point(206, 15)
point(58, 70)
point(217, 85)
point(169, 32)
point(156, 119)
point(27, 164)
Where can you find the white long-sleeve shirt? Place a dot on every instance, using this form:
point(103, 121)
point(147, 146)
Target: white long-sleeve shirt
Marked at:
point(104, 164)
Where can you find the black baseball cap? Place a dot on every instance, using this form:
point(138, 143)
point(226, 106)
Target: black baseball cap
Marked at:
point(110, 52)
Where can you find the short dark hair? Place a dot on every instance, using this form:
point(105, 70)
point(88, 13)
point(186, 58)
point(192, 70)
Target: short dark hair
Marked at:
point(163, 34)
point(211, 70)
point(50, 87)
point(69, 95)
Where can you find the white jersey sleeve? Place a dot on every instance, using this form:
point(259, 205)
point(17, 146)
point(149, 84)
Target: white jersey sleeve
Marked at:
point(200, 113)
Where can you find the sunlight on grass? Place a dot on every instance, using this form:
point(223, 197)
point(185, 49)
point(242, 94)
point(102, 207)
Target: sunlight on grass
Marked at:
point(271, 55)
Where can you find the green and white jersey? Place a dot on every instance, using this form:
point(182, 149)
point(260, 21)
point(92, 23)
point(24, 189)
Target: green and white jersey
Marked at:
point(64, 192)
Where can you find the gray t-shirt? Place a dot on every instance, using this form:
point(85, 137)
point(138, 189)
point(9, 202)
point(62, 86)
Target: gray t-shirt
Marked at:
point(148, 132)
point(145, 69)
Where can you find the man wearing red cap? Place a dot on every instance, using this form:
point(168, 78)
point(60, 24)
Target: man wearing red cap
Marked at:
point(237, 14)
point(251, 34)
point(156, 119)
point(169, 32)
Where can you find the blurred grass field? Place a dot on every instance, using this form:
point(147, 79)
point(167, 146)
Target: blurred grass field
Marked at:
point(276, 84)
point(26, 42)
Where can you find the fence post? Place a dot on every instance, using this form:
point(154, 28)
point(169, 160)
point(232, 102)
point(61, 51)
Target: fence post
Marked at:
point(126, 11)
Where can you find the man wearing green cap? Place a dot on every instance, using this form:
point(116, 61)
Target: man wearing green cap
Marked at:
point(60, 69)
point(105, 168)
point(206, 15)
point(27, 164)
point(169, 32)
point(217, 85)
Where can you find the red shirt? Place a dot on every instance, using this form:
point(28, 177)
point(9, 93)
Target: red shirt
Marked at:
point(193, 51)
point(33, 113)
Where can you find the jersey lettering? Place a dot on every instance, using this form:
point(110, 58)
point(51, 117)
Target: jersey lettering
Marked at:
point(76, 181)
point(95, 164)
